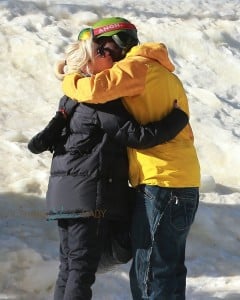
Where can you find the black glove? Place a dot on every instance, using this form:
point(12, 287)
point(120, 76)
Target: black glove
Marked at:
point(67, 106)
point(47, 138)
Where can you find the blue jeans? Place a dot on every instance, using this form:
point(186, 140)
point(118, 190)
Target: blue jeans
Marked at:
point(161, 222)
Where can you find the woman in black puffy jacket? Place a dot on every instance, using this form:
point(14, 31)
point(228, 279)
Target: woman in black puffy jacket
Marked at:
point(88, 191)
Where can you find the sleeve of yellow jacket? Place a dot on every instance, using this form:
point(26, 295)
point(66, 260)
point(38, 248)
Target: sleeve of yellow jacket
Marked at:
point(125, 78)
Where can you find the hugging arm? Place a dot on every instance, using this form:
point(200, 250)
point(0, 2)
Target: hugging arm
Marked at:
point(118, 123)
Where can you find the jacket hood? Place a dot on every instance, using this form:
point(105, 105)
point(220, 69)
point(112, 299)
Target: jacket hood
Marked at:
point(155, 51)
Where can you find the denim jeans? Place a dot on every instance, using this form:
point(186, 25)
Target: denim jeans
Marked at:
point(161, 222)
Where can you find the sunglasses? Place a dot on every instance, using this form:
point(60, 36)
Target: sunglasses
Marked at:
point(89, 32)
point(103, 51)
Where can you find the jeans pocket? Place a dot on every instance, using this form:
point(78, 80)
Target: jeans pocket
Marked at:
point(183, 208)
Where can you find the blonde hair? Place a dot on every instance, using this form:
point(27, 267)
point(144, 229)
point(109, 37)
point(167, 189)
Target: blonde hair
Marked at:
point(77, 56)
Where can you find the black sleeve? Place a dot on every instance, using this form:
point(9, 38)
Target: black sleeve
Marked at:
point(118, 123)
point(67, 106)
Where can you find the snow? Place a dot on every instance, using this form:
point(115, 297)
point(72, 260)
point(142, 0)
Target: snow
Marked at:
point(203, 40)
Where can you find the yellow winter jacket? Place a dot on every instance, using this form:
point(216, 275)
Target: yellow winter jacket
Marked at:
point(145, 79)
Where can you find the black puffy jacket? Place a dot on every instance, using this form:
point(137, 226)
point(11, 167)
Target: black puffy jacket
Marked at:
point(89, 171)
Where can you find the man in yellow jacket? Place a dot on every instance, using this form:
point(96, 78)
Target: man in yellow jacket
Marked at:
point(167, 176)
